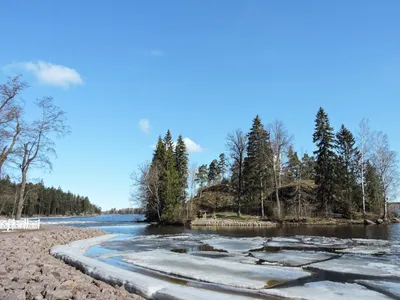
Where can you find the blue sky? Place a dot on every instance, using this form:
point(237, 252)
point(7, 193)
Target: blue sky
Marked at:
point(199, 68)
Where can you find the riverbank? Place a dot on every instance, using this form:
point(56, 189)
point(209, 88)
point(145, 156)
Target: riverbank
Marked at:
point(28, 271)
point(286, 222)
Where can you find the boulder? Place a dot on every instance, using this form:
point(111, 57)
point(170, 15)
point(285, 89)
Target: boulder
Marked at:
point(379, 221)
point(368, 222)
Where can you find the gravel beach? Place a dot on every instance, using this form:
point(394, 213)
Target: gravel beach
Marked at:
point(28, 271)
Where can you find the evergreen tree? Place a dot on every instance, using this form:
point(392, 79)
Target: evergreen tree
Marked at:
point(213, 172)
point(202, 175)
point(325, 161)
point(293, 166)
point(182, 161)
point(153, 208)
point(308, 167)
point(257, 162)
point(347, 156)
point(171, 189)
point(373, 189)
point(222, 165)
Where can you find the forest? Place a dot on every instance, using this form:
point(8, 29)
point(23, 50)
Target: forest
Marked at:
point(27, 145)
point(347, 175)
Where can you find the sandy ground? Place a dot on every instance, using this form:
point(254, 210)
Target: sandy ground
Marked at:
point(28, 271)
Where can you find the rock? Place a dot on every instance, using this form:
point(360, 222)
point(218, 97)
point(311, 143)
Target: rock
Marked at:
point(15, 295)
point(368, 222)
point(395, 220)
point(379, 221)
point(59, 295)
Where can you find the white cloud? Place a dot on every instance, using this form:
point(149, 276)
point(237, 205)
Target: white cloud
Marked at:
point(144, 125)
point(155, 53)
point(50, 74)
point(191, 146)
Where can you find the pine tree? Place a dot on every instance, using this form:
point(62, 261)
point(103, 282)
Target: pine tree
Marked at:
point(202, 175)
point(257, 162)
point(347, 155)
point(182, 161)
point(222, 166)
point(213, 172)
point(293, 166)
point(325, 161)
point(171, 188)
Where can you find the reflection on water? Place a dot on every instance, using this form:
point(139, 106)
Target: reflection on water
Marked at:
point(130, 224)
point(385, 232)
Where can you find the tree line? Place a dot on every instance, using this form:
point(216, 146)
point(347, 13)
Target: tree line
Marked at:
point(43, 201)
point(25, 145)
point(263, 174)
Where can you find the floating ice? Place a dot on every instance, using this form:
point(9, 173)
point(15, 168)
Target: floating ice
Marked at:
point(185, 293)
point(235, 244)
point(361, 266)
point(328, 290)
point(292, 258)
point(386, 287)
point(214, 270)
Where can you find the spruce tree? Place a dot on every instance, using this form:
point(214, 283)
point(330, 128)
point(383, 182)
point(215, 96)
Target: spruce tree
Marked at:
point(171, 188)
point(323, 137)
point(257, 162)
point(347, 155)
point(374, 189)
point(154, 209)
point(308, 167)
point(182, 161)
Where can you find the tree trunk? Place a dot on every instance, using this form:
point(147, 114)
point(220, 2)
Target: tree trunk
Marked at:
point(363, 185)
point(262, 198)
point(278, 203)
point(21, 197)
point(385, 208)
point(238, 211)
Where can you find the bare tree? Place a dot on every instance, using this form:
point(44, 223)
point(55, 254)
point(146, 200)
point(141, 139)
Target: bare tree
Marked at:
point(192, 174)
point(364, 139)
point(237, 144)
point(386, 164)
point(280, 142)
point(36, 144)
point(148, 185)
point(10, 112)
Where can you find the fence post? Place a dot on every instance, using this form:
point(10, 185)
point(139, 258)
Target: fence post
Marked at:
point(8, 225)
point(38, 224)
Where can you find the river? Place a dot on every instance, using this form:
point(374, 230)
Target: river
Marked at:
point(132, 224)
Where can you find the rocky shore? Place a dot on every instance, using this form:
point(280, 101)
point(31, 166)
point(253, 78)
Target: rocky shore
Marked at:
point(228, 222)
point(28, 271)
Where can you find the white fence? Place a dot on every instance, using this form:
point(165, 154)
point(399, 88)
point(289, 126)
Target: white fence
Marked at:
point(12, 224)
